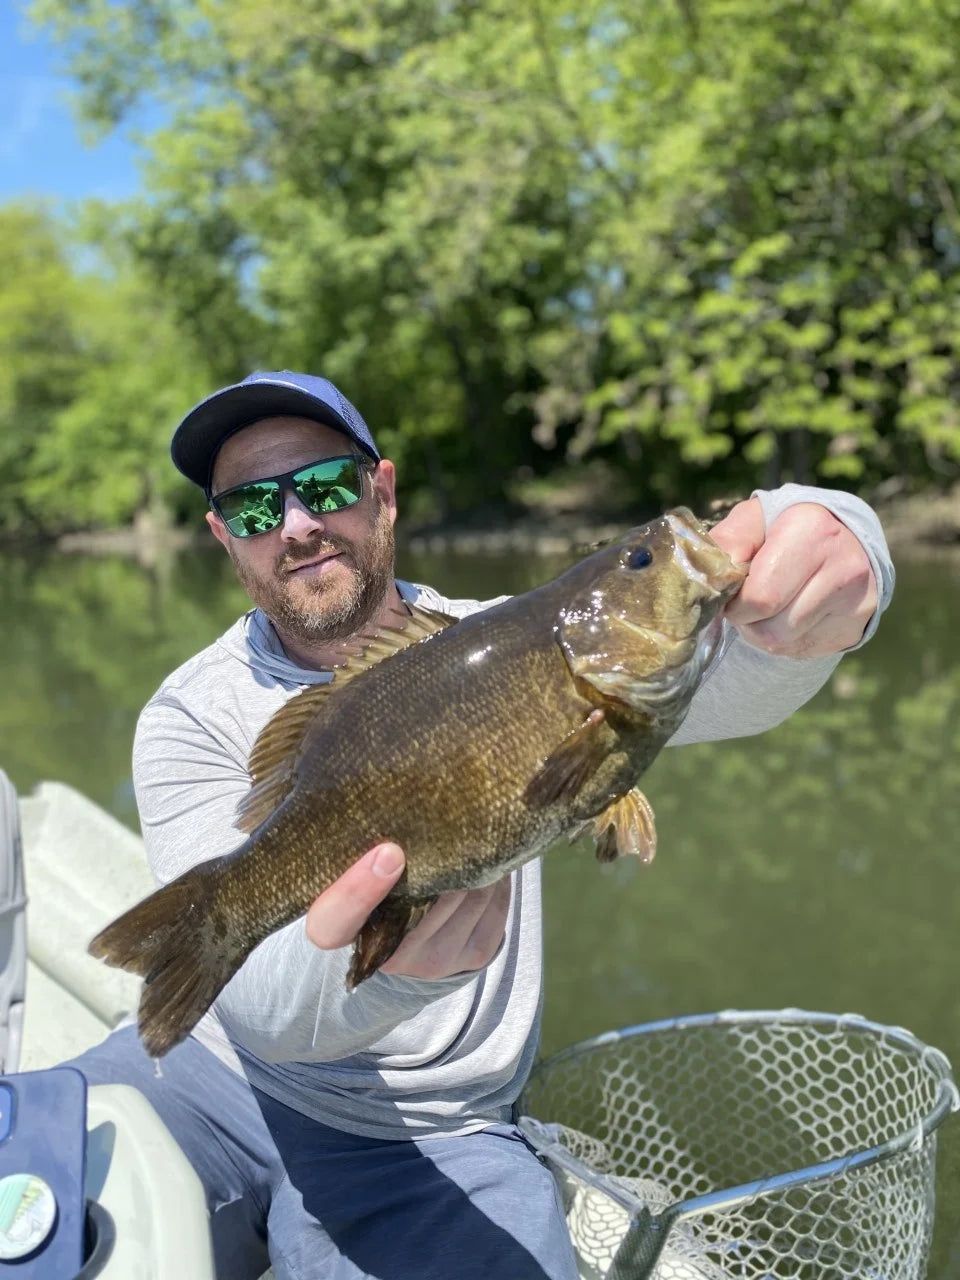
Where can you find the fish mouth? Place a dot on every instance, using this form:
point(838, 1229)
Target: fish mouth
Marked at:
point(683, 658)
point(700, 558)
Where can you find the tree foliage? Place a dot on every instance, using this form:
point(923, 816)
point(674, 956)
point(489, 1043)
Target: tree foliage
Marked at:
point(93, 370)
point(40, 352)
point(714, 241)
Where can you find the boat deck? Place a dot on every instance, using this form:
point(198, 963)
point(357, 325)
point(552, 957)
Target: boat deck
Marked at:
point(82, 868)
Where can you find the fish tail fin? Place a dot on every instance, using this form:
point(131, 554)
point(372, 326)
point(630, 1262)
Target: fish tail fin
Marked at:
point(385, 929)
point(180, 941)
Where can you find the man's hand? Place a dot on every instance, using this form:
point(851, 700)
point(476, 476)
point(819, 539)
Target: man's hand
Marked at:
point(810, 590)
point(461, 932)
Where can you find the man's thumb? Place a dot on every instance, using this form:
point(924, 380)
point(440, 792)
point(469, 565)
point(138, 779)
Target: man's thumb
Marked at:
point(741, 534)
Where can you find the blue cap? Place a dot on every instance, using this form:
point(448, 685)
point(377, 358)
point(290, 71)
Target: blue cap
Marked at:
point(261, 395)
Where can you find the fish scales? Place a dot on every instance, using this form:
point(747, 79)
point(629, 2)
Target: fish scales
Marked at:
point(392, 779)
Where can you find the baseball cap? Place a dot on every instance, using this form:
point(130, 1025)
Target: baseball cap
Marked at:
point(261, 395)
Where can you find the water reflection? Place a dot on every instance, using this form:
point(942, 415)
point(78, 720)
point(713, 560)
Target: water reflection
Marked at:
point(815, 865)
point(85, 643)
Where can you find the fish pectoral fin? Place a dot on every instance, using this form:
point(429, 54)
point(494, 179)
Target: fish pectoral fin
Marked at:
point(386, 927)
point(626, 826)
point(565, 770)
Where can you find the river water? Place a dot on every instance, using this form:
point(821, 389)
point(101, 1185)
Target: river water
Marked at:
point(815, 866)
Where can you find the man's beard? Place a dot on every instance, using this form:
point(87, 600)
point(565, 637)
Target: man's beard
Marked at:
point(320, 610)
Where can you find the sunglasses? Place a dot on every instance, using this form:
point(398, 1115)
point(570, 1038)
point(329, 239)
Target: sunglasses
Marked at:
point(257, 507)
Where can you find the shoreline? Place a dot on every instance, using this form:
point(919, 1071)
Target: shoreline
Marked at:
point(923, 525)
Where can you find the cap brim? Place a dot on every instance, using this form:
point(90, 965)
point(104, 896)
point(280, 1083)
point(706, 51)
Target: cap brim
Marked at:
point(201, 433)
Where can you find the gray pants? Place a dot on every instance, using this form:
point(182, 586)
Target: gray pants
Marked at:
point(324, 1205)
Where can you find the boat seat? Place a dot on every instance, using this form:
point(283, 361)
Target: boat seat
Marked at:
point(13, 940)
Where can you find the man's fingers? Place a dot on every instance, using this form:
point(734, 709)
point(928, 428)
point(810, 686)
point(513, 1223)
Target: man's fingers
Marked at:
point(796, 549)
point(438, 953)
point(466, 939)
point(455, 939)
point(415, 954)
point(811, 590)
point(437, 916)
point(829, 614)
point(461, 931)
point(336, 917)
point(775, 579)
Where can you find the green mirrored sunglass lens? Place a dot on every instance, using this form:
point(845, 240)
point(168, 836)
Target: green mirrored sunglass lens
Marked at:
point(253, 509)
point(327, 487)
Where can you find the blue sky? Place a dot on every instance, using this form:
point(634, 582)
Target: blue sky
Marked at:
point(41, 149)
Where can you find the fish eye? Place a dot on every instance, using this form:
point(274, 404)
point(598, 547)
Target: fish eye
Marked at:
point(639, 558)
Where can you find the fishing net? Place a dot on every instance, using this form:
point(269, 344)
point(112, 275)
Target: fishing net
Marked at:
point(755, 1146)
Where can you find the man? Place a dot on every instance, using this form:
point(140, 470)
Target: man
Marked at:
point(370, 1133)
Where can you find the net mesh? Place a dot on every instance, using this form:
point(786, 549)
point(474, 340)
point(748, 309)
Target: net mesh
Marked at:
point(638, 1125)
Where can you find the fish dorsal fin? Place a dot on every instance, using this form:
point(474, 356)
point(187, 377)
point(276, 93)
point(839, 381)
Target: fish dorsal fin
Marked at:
point(273, 760)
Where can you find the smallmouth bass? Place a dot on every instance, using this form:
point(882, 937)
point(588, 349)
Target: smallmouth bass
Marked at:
point(474, 744)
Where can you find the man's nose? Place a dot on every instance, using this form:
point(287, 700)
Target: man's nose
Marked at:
point(299, 522)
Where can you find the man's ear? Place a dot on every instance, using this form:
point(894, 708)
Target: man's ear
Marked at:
point(217, 528)
point(384, 481)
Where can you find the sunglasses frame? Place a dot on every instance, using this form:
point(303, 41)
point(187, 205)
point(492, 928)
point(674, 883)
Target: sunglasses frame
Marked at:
point(286, 480)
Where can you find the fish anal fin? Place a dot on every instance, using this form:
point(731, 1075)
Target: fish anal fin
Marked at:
point(566, 769)
point(385, 928)
point(626, 827)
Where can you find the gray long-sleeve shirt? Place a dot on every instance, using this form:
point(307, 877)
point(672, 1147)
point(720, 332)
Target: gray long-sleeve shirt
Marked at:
point(398, 1057)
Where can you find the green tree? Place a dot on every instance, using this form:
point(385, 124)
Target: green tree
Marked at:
point(104, 458)
point(712, 239)
point(94, 372)
point(40, 349)
point(380, 197)
point(790, 249)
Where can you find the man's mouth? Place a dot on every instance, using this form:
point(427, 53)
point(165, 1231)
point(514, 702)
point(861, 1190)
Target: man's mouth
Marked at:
point(318, 566)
